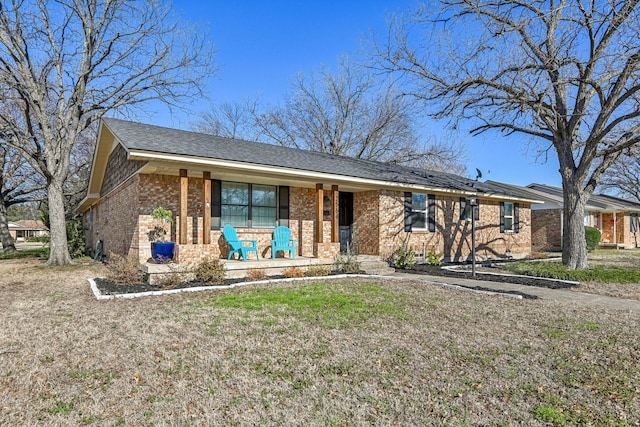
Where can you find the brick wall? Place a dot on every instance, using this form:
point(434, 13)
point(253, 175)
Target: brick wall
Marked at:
point(452, 238)
point(546, 229)
point(366, 222)
point(378, 224)
point(114, 220)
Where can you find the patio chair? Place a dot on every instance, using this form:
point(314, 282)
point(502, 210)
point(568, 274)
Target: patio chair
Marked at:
point(282, 242)
point(242, 247)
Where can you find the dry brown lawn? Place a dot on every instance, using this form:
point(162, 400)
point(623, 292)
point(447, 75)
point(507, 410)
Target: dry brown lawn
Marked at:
point(413, 355)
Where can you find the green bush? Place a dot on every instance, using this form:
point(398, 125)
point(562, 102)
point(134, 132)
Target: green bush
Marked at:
point(592, 235)
point(75, 238)
point(433, 258)
point(403, 258)
point(212, 271)
point(38, 239)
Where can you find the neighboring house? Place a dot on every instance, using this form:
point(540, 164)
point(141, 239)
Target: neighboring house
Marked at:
point(617, 219)
point(329, 202)
point(19, 230)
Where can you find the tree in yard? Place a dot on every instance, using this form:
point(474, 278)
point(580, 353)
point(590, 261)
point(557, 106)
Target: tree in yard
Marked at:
point(353, 114)
point(623, 177)
point(18, 184)
point(235, 120)
point(563, 72)
point(63, 65)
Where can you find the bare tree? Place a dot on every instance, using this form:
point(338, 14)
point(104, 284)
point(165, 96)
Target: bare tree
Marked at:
point(352, 113)
point(564, 73)
point(623, 177)
point(234, 120)
point(18, 184)
point(64, 64)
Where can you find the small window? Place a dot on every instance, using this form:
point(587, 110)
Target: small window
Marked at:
point(509, 217)
point(465, 209)
point(419, 210)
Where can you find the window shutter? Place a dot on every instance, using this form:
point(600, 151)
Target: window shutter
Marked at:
point(463, 208)
point(516, 217)
point(283, 205)
point(431, 203)
point(502, 217)
point(216, 198)
point(407, 212)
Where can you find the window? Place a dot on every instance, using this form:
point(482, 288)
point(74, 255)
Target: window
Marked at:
point(419, 212)
point(509, 217)
point(235, 204)
point(244, 205)
point(263, 206)
point(465, 209)
point(587, 219)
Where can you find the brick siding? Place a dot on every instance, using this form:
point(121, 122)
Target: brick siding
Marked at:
point(123, 219)
point(546, 229)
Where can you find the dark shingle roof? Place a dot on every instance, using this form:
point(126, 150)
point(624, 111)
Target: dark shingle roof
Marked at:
point(596, 201)
point(150, 138)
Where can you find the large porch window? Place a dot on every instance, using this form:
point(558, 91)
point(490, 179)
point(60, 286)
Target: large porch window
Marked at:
point(244, 205)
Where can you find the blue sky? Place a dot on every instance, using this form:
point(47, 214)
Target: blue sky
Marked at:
point(262, 44)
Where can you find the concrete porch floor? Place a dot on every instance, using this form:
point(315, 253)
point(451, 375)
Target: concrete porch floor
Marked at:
point(271, 267)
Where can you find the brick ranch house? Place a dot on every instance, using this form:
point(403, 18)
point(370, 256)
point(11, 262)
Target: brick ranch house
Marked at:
point(327, 201)
point(616, 218)
point(22, 229)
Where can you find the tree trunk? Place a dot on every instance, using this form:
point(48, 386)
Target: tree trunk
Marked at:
point(8, 245)
point(574, 244)
point(59, 254)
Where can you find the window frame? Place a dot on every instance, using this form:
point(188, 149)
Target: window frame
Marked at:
point(515, 217)
point(429, 212)
point(280, 206)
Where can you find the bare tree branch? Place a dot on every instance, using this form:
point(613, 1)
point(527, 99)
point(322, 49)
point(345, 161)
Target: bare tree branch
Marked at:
point(566, 71)
point(64, 64)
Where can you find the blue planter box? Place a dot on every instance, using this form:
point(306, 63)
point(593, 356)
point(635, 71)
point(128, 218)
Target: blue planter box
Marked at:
point(162, 251)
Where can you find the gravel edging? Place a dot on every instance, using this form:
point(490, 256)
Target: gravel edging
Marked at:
point(100, 296)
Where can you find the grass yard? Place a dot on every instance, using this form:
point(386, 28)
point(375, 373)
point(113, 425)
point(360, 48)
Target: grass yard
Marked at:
point(611, 272)
point(329, 353)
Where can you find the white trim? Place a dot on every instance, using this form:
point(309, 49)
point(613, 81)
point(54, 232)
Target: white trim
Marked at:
point(312, 176)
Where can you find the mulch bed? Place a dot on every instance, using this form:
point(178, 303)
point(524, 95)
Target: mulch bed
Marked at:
point(540, 282)
point(107, 287)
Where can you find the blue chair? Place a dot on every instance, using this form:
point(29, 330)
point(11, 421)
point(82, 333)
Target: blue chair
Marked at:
point(282, 242)
point(237, 245)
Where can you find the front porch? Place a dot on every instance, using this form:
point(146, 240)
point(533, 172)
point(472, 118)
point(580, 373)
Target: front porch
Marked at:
point(270, 267)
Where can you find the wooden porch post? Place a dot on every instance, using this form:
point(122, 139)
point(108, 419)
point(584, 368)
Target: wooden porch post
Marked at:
point(319, 213)
point(184, 191)
point(334, 214)
point(206, 204)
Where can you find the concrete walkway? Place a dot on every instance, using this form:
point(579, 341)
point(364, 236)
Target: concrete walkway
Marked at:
point(557, 295)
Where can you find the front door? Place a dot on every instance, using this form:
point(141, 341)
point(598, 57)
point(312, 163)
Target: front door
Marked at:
point(345, 219)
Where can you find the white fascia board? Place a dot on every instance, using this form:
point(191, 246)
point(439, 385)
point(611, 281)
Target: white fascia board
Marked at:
point(297, 173)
